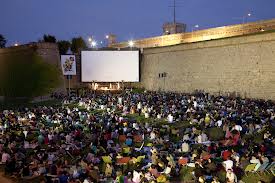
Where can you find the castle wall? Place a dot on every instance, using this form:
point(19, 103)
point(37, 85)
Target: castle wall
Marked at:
point(244, 65)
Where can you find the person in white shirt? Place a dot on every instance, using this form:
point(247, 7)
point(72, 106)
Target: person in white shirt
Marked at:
point(152, 135)
point(170, 118)
point(167, 170)
point(136, 176)
point(204, 137)
point(195, 104)
point(238, 128)
point(146, 115)
point(159, 116)
point(186, 137)
point(139, 107)
point(120, 100)
point(255, 160)
point(219, 123)
point(185, 147)
point(228, 164)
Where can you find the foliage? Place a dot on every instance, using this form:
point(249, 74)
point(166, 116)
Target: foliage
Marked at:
point(215, 134)
point(49, 38)
point(63, 46)
point(78, 43)
point(27, 75)
point(3, 41)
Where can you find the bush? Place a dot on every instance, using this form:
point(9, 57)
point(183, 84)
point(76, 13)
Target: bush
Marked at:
point(215, 134)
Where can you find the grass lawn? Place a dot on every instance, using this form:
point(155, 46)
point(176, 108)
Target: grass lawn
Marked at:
point(19, 104)
point(254, 178)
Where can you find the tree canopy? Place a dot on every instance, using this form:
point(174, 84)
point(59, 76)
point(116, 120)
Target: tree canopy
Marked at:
point(63, 46)
point(78, 43)
point(3, 41)
point(49, 38)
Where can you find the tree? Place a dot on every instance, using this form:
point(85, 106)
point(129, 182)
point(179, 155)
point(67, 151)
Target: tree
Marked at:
point(78, 43)
point(3, 41)
point(49, 38)
point(63, 46)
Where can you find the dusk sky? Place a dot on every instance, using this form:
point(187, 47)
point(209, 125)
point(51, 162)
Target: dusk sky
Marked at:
point(24, 21)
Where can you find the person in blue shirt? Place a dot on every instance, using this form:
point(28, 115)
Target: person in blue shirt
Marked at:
point(63, 178)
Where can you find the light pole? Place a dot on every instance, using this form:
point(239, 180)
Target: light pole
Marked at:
point(90, 40)
point(131, 44)
point(93, 44)
point(193, 28)
point(107, 41)
point(246, 17)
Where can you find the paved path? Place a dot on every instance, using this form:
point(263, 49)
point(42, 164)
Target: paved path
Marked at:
point(3, 179)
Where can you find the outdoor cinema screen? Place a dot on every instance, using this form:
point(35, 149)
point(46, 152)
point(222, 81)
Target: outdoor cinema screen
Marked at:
point(110, 66)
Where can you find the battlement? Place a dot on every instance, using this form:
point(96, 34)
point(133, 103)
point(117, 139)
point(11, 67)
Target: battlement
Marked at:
point(202, 35)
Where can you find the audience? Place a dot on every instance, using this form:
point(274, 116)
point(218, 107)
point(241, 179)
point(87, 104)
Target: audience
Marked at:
point(97, 139)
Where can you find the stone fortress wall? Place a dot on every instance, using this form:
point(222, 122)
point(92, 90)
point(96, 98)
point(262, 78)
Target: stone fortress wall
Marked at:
point(48, 51)
point(244, 65)
point(201, 35)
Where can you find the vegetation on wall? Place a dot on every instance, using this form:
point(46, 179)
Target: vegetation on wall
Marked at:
point(27, 75)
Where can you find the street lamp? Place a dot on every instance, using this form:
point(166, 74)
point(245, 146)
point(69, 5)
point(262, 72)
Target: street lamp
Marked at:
point(131, 43)
point(90, 39)
point(16, 44)
point(107, 36)
point(193, 28)
point(93, 43)
point(246, 17)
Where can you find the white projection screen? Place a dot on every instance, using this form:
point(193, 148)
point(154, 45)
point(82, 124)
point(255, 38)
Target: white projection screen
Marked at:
point(110, 66)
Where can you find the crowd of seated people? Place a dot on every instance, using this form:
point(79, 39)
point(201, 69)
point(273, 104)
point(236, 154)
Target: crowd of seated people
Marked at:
point(99, 139)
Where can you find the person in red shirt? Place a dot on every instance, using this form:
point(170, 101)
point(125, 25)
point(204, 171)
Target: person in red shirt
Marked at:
point(226, 154)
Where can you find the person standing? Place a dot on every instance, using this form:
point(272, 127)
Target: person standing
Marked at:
point(139, 107)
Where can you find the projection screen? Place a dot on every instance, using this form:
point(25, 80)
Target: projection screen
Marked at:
point(110, 66)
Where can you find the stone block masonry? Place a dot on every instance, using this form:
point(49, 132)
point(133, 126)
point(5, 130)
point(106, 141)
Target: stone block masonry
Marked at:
point(243, 65)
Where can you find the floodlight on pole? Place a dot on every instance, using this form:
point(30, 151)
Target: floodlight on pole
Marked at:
point(193, 28)
point(131, 43)
point(94, 43)
point(246, 17)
